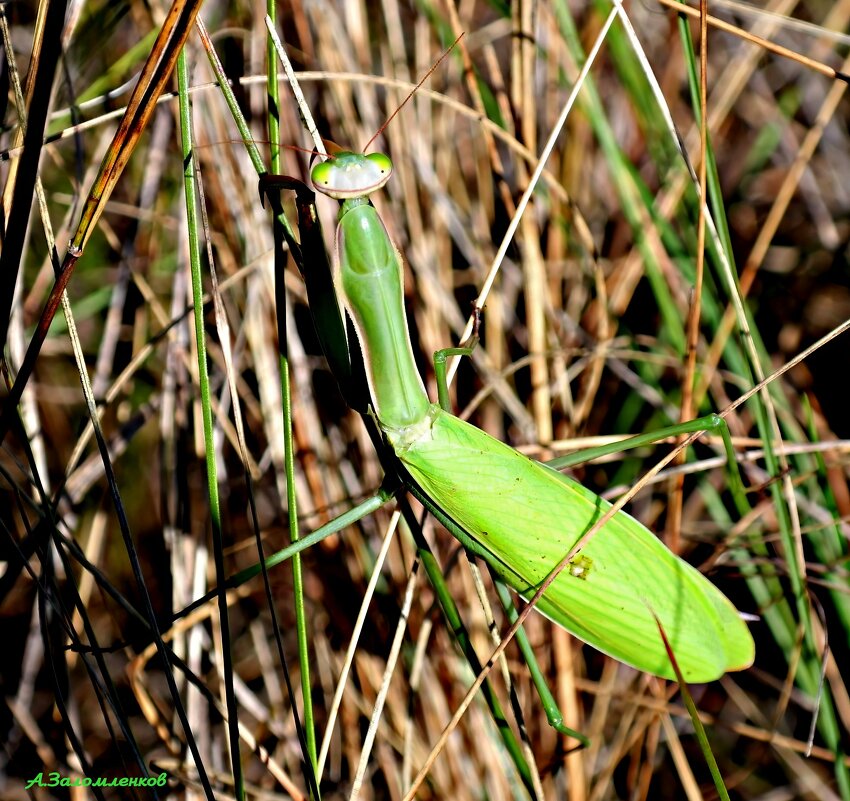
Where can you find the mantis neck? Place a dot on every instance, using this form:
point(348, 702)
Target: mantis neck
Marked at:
point(370, 278)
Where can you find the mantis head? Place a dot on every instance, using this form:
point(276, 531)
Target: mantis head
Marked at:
point(349, 175)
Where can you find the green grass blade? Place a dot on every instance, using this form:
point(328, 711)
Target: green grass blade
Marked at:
point(206, 411)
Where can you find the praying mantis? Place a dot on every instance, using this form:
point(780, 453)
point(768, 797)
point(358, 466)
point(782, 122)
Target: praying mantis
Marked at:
point(624, 592)
point(623, 583)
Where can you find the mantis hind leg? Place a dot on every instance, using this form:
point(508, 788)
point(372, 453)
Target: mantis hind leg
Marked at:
point(441, 358)
point(550, 705)
point(708, 424)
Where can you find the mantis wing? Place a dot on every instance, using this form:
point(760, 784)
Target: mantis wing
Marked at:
point(524, 517)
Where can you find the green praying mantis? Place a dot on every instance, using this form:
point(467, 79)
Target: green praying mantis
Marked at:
point(517, 514)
